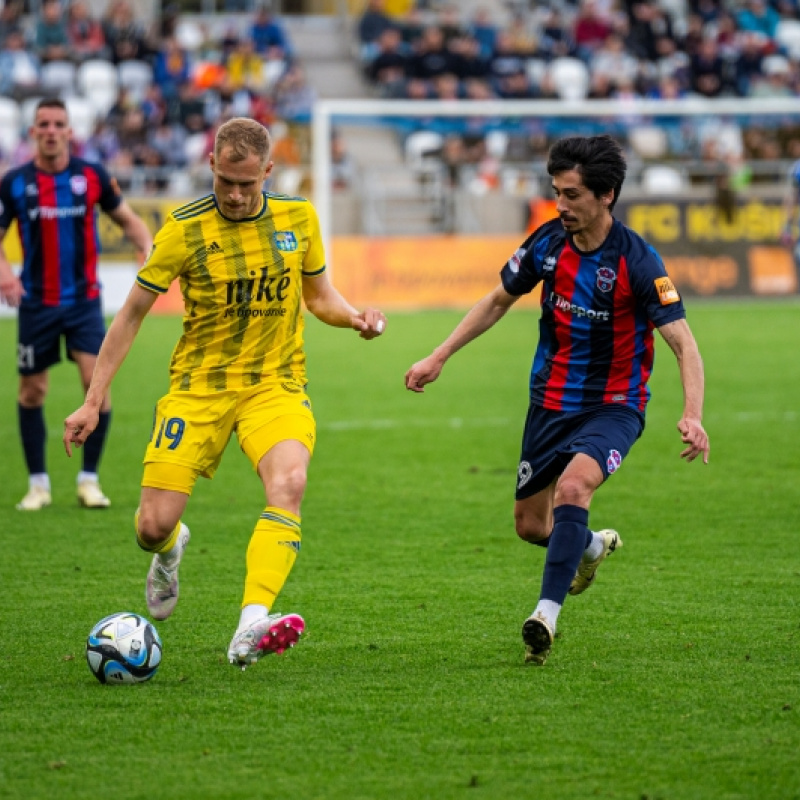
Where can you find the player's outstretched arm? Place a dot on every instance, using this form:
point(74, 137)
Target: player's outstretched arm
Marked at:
point(134, 228)
point(325, 302)
point(679, 337)
point(485, 313)
point(121, 333)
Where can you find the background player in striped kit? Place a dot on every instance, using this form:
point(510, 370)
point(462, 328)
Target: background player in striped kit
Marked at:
point(245, 260)
point(54, 199)
point(604, 289)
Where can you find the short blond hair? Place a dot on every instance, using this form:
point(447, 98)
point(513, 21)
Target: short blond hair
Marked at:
point(244, 137)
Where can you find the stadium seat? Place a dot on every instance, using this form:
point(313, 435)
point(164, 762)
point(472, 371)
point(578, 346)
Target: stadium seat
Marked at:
point(497, 144)
point(570, 77)
point(10, 125)
point(648, 141)
point(58, 77)
point(787, 35)
point(196, 148)
point(97, 80)
point(189, 35)
point(82, 117)
point(135, 77)
point(420, 145)
point(662, 179)
point(536, 69)
point(28, 111)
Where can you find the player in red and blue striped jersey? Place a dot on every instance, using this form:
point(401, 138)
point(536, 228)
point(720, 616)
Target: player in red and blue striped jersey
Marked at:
point(604, 291)
point(54, 199)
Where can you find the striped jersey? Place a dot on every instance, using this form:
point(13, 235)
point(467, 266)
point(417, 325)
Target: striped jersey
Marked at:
point(599, 310)
point(241, 283)
point(57, 218)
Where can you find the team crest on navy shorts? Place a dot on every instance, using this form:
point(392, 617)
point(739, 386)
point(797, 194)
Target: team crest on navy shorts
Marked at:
point(605, 279)
point(614, 461)
point(285, 241)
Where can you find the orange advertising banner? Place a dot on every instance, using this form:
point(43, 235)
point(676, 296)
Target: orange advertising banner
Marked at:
point(421, 272)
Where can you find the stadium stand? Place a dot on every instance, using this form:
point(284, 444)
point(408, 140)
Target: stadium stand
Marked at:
point(135, 80)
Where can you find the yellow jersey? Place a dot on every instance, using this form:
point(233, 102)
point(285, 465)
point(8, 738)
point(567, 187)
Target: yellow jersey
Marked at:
point(241, 282)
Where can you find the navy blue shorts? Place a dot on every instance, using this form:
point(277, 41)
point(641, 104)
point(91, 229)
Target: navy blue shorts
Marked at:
point(552, 438)
point(40, 330)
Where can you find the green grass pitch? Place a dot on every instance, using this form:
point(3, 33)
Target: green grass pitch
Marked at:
point(676, 677)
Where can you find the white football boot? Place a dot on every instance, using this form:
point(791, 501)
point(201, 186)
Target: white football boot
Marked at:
point(162, 581)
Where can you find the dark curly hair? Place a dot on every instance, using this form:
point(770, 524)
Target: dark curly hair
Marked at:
point(598, 159)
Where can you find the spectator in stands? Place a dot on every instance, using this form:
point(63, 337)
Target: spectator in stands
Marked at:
point(523, 37)
point(555, 39)
point(133, 134)
point(268, 34)
point(245, 67)
point(707, 70)
point(506, 61)
point(758, 16)
point(484, 31)
point(468, 61)
point(19, 68)
point(11, 19)
point(611, 59)
point(388, 69)
point(52, 41)
point(446, 87)
point(371, 27)
point(449, 23)
point(749, 61)
point(589, 29)
point(647, 23)
point(693, 35)
point(431, 57)
point(294, 97)
point(85, 34)
point(123, 34)
point(171, 69)
point(478, 89)
point(103, 145)
point(343, 168)
point(418, 89)
point(672, 62)
point(168, 141)
point(776, 80)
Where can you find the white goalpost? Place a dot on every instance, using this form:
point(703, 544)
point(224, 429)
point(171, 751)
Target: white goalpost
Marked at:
point(615, 115)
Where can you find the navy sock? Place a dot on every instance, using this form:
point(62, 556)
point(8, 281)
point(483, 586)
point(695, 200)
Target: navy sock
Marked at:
point(33, 433)
point(567, 543)
point(93, 448)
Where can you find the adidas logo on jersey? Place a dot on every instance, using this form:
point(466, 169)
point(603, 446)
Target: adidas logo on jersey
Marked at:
point(213, 249)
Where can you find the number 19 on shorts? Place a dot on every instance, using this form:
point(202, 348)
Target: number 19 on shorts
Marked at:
point(169, 432)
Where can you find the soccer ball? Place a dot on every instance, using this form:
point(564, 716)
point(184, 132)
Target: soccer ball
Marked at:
point(123, 648)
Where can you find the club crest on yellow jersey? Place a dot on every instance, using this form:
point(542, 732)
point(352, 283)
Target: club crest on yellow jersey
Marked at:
point(285, 241)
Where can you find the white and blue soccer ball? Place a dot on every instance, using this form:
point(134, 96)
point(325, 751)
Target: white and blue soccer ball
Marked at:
point(123, 648)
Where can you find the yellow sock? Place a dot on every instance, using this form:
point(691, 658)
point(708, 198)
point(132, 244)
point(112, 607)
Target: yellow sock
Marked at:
point(165, 546)
point(273, 548)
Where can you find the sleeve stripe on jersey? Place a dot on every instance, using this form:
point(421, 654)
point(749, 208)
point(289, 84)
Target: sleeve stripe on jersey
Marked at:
point(315, 272)
point(193, 209)
point(151, 286)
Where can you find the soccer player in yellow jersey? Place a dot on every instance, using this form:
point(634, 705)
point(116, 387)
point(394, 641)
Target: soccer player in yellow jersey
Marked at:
point(245, 259)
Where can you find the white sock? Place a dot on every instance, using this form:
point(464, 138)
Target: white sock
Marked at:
point(86, 476)
point(40, 480)
point(251, 613)
point(549, 610)
point(595, 548)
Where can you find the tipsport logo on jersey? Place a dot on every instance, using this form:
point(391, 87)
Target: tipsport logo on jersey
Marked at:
point(245, 297)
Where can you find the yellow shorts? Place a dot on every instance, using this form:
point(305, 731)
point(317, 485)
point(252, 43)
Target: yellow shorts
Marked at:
point(191, 430)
